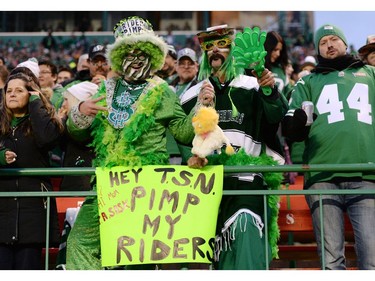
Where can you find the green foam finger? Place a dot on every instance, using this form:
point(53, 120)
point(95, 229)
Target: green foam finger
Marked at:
point(254, 39)
point(240, 42)
point(238, 52)
point(247, 38)
point(256, 29)
point(262, 38)
point(267, 90)
point(249, 49)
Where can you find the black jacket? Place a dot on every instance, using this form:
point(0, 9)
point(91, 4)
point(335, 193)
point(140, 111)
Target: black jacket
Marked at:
point(23, 219)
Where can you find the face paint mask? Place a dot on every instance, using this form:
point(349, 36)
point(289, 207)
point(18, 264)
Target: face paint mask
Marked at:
point(136, 66)
point(217, 58)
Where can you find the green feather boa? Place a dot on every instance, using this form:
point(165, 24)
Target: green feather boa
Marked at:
point(273, 181)
point(117, 147)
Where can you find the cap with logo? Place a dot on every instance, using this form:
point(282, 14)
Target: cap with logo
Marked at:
point(96, 50)
point(187, 52)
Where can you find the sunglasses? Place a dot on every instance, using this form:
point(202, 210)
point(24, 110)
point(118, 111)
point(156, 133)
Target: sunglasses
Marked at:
point(220, 43)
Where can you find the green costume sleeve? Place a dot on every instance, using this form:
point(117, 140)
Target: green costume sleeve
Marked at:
point(275, 109)
point(57, 98)
point(181, 125)
point(78, 124)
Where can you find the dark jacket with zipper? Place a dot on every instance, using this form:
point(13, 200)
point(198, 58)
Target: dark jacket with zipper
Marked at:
point(23, 219)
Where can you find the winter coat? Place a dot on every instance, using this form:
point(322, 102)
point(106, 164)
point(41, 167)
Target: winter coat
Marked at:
point(23, 219)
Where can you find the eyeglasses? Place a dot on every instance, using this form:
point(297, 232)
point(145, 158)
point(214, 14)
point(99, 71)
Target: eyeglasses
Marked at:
point(186, 65)
point(45, 72)
point(99, 63)
point(220, 43)
point(133, 56)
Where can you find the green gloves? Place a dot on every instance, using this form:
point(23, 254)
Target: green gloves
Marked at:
point(249, 51)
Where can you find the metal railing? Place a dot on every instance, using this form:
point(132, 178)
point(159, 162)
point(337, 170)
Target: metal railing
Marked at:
point(228, 171)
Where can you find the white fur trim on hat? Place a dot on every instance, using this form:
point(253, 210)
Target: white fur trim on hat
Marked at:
point(133, 39)
point(133, 30)
point(31, 64)
point(84, 90)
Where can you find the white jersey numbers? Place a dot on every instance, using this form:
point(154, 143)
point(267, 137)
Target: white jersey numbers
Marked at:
point(358, 99)
point(329, 103)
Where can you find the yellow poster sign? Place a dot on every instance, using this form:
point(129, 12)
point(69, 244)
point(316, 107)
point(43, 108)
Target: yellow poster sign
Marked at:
point(158, 214)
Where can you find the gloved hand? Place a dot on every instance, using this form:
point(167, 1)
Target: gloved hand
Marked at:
point(299, 118)
point(249, 51)
point(295, 127)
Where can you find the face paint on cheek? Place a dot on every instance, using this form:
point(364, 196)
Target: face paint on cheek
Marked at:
point(222, 54)
point(144, 71)
point(137, 70)
point(125, 65)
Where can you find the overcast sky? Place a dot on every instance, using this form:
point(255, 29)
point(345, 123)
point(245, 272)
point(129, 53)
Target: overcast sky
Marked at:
point(356, 25)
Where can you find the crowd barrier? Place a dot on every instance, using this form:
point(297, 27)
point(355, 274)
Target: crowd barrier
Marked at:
point(301, 218)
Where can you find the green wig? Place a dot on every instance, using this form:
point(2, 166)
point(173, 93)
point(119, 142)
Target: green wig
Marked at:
point(227, 68)
point(136, 33)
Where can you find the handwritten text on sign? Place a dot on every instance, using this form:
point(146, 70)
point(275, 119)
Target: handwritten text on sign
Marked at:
point(158, 214)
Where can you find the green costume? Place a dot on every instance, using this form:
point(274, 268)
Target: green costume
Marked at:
point(132, 132)
point(249, 116)
point(141, 142)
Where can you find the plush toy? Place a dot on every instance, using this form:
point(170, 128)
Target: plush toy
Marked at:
point(209, 137)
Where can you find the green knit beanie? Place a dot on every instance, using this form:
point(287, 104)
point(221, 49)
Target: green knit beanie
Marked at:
point(328, 29)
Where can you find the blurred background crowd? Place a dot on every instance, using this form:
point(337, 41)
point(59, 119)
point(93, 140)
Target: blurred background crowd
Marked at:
point(62, 37)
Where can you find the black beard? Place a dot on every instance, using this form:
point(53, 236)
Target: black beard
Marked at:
point(217, 56)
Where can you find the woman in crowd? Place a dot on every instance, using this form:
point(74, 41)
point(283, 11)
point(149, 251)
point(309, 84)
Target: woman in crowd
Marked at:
point(29, 128)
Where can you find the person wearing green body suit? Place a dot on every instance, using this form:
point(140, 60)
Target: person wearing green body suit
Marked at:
point(127, 119)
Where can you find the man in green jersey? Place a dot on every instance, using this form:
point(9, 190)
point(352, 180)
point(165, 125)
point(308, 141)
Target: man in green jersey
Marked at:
point(342, 90)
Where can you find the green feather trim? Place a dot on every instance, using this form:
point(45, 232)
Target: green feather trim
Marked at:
point(116, 147)
point(273, 181)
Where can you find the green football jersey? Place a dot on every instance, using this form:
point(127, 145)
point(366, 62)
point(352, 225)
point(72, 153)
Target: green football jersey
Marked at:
point(281, 80)
point(344, 130)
